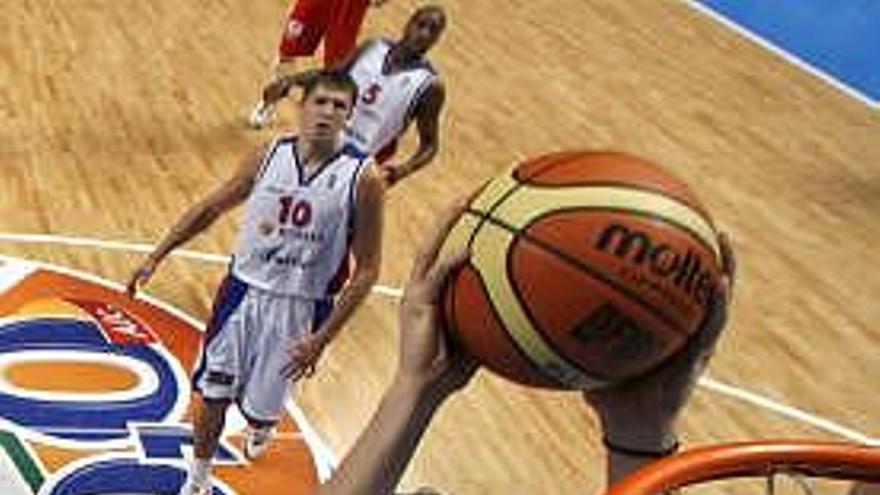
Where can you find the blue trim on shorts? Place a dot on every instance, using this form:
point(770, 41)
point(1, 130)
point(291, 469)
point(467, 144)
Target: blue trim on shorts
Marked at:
point(254, 421)
point(229, 297)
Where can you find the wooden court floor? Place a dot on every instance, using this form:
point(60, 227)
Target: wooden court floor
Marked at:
point(116, 115)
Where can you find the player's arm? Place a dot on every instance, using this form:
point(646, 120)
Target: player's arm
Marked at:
point(200, 216)
point(366, 249)
point(427, 117)
point(302, 78)
point(367, 252)
point(429, 369)
point(638, 416)
point(383, 450)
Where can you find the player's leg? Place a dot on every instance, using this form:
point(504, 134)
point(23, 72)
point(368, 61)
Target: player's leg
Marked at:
point(387, 171)
point(206, 434)
point(342, 31)
point(306, 24)
point(266, 389)
point(217, 379)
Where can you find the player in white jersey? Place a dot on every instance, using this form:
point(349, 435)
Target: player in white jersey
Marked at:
point(312, 201)
point(398, 86)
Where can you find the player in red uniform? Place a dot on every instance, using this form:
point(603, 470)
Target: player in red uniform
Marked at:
point(336, 22)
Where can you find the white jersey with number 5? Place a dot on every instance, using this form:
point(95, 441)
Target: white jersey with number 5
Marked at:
point(296, 230)
point(386, 100)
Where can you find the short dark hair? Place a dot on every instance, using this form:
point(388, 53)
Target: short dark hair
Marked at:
point(333, 79)
point(431, 8)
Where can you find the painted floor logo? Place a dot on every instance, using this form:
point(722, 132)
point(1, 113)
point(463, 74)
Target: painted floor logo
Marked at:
point(95, 396)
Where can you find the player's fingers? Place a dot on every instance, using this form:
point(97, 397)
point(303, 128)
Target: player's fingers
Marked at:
point(436, 278)
point(295, 374)
point(285, 371)
point(431, 245)
point(716, 317)
point(131, 287)
point(292, 370)
point(134, 283)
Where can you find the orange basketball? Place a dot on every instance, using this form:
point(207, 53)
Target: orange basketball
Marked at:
point(585, 269)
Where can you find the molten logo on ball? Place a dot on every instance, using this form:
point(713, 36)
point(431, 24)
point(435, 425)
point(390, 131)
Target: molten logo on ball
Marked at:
point(663, 260)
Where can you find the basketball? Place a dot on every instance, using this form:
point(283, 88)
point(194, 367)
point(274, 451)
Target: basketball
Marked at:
point(585, 269)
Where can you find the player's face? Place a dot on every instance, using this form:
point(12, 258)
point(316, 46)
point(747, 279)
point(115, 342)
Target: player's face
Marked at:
point(324, 112)
point(424, 29)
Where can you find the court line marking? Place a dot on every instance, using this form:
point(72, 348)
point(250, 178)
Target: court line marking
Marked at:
point(139, 248)
point(781, 52)
point(324, 459)
point(736, 392)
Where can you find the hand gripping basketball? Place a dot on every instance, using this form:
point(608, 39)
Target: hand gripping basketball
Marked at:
point(587, 269)
point(426, 355)
point(637, 415)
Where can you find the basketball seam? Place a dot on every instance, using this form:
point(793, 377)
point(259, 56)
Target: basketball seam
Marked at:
point(626, 185)
point(588, 269)
point(519, 185)
point(598, 375)
point(492, 207)
point(523, 354)
point(634, 212)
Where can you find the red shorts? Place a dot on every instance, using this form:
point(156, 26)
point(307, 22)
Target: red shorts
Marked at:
point(336, 21)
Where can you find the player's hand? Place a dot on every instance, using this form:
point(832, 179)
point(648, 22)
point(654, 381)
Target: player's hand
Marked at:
point(427, 356)
point(377, 3)
point(304, 355)
point(140, 276)
point(639, 413)
point(388, 173)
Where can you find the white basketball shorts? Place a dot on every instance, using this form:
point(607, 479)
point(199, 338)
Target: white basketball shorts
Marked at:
point(246, 346)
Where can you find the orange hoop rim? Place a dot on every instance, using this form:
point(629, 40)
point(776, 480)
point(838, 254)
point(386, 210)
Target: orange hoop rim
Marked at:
point(837, 460)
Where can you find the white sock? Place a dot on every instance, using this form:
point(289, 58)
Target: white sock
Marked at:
point(200, 470)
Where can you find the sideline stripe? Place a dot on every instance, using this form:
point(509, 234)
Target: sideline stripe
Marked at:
point(323, 457)
point(109, 245)
point(141, 248)
point(784, 54)
point(788, 411)
point(709, 383)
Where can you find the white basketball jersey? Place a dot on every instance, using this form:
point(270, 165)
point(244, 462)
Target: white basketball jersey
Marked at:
point(296, 230)
point(385, 101)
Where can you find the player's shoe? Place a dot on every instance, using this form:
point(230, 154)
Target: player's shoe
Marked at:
point(262, 115)
point(256, 440)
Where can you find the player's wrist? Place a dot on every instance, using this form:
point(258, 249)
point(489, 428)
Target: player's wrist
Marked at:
point(408, 384)
point(431, 388)
point(662, 448)
point(154, 259)
point(323, 337)
point(391, 175)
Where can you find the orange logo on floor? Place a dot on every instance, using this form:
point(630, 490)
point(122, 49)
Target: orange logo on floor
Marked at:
point(95, 396)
